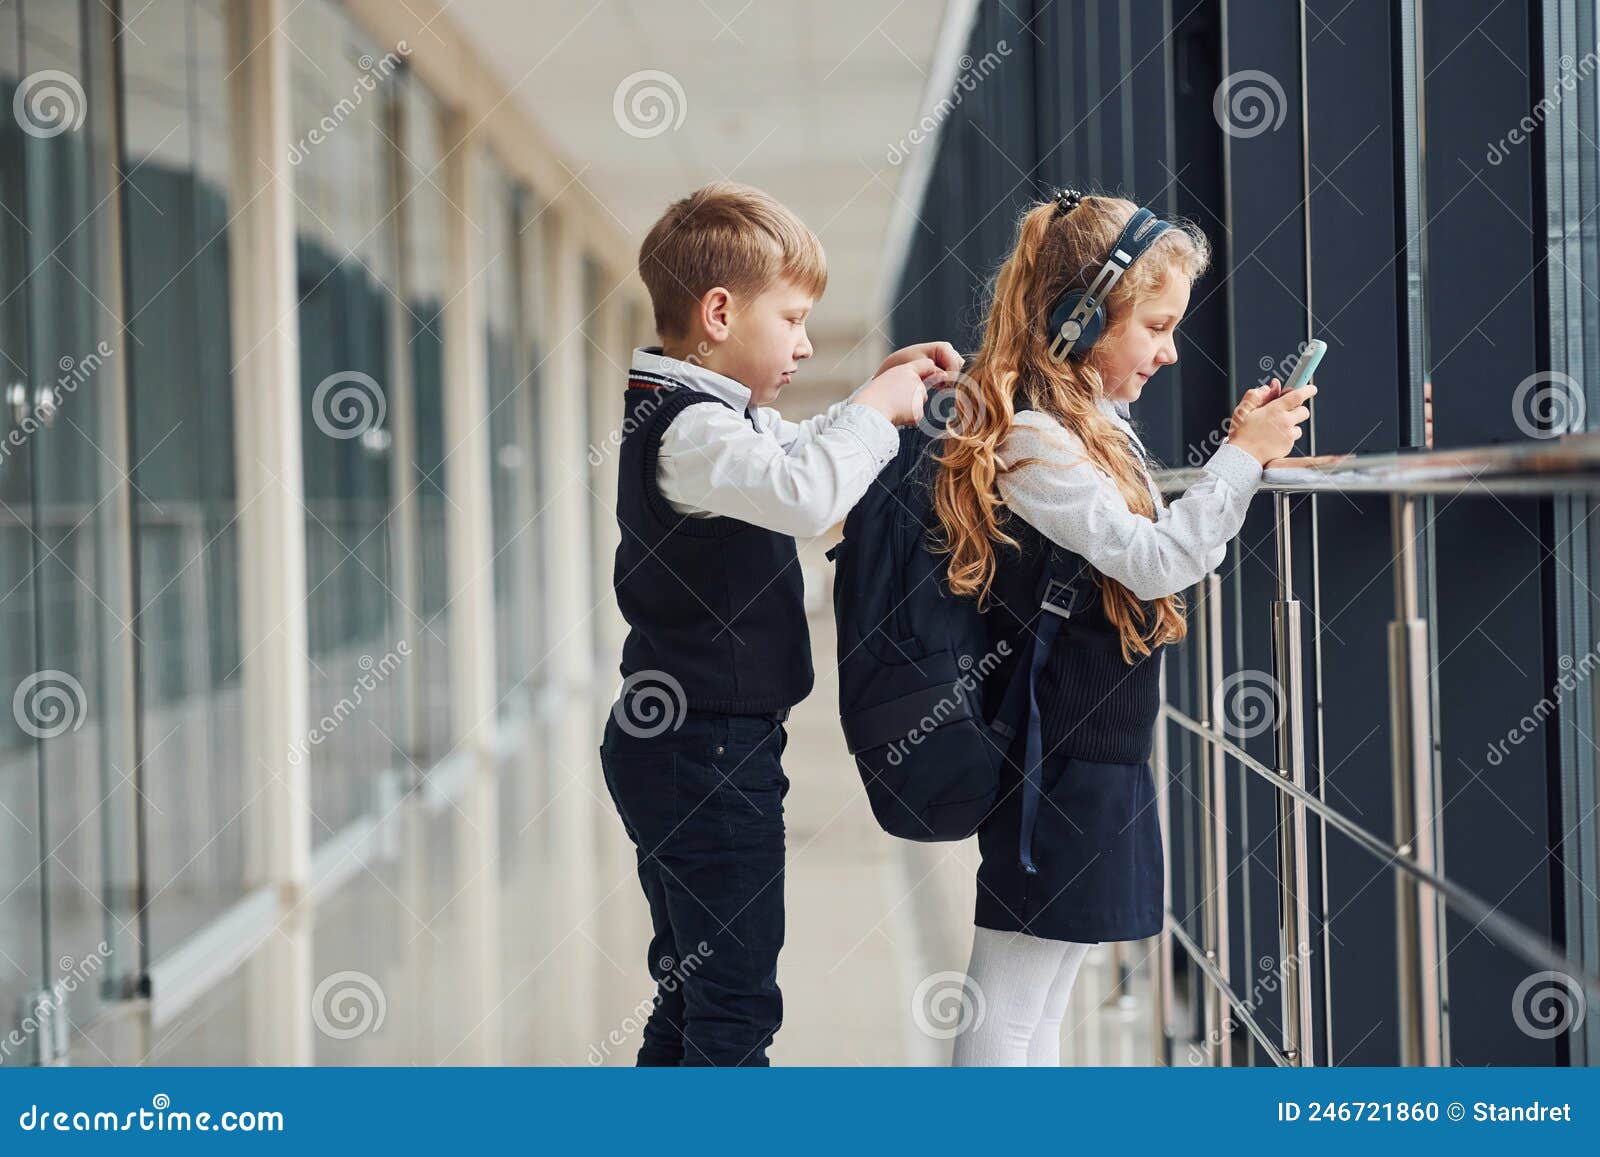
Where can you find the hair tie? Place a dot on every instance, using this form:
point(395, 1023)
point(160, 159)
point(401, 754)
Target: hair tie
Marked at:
point(1067, 200)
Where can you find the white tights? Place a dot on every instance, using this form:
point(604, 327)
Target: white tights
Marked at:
point(1024, 982)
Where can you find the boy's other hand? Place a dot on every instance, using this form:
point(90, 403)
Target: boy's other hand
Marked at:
point(899, 392)
point(941, 353)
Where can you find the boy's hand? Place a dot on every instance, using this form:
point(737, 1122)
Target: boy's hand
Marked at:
point(899, 392)
point(941, 353)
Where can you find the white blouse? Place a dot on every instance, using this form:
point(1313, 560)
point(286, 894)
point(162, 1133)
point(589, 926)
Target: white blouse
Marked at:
point(1076, 505)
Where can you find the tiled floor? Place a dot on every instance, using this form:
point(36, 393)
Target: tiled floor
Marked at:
point(869, 919)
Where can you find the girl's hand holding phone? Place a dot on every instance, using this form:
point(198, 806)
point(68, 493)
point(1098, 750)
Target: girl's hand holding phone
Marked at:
point(1266, 422)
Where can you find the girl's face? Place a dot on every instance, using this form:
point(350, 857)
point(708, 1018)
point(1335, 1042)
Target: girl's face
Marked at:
point(1126, 359)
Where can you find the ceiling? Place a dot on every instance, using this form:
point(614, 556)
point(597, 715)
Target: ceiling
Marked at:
point(806, 99)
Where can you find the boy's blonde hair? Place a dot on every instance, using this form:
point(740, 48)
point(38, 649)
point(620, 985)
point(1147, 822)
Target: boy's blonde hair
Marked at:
point(730, 235)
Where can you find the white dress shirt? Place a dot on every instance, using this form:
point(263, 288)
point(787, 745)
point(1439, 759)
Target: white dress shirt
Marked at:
point(1076, 505)
point(797, 478)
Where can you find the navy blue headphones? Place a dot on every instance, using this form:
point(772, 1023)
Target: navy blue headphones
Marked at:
point(1078, 317)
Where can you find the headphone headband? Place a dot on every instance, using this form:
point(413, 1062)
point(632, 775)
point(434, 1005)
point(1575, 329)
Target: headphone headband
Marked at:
point(1079, 311)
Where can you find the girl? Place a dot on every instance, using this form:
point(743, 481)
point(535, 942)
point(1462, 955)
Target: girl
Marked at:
point(1045, 459)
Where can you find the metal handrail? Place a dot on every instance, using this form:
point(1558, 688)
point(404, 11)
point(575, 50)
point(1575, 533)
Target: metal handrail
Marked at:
point(1532, 947)
point(1538, 467)
point(1220, 984)
point(1552, 466)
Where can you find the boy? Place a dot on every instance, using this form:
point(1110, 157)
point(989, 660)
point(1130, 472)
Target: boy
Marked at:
point(713, 488)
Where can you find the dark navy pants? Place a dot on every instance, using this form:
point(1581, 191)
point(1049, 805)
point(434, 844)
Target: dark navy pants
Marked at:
point(703, 805)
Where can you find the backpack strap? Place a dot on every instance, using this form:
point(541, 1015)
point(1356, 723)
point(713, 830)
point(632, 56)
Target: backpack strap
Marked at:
point(1064, 588)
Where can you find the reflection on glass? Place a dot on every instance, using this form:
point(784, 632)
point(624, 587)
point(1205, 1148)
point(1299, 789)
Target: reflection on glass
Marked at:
point(423, 216)
point(343, 185)
point(180, 359)
point(73, 362)
point(510, 434)
point(21, 894)
point(531, 222)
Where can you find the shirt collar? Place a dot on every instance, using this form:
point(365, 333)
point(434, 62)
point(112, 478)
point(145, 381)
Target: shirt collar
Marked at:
point(651, 360)
point(1118, 409)
point(1118, 412)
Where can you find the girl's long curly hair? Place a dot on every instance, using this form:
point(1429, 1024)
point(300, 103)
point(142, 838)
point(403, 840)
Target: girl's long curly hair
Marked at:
point(1054, 252)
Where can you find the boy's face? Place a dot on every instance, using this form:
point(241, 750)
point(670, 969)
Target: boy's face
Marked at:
point(1128, 358)
point(765, 340)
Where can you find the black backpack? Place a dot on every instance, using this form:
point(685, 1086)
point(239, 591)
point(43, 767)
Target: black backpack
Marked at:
point(914, 660)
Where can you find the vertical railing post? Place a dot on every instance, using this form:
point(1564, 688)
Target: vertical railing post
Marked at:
point(1214, 831)
point(1419, 917)
point(1161, 1002)
point(1294, 915)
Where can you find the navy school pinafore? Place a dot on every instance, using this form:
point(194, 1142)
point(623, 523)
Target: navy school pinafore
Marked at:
point(1095, 836)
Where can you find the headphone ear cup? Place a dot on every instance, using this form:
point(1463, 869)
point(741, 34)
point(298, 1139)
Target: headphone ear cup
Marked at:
point(1065, 304)
point(1092, 325)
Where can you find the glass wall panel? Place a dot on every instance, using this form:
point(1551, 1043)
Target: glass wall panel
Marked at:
point(175, 113)
point(510, 438)
point(423, 211)
point(76, 357)
point(346, 253)
point(22, 946)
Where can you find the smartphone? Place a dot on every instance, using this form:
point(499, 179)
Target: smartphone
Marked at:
point(1307, 365)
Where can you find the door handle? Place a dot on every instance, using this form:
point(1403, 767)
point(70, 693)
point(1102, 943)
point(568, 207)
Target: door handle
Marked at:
point(17, 399)
point(44, 405)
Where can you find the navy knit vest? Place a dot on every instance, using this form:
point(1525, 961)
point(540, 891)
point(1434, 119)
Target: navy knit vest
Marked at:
point(1093, 705)
point(716, 604)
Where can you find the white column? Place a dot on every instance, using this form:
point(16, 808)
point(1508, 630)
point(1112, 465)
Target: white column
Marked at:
point(470, 535)
point(469, 528)
point(570, 606)
point(569, 824)
point(272, 543)
point(613, 357)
